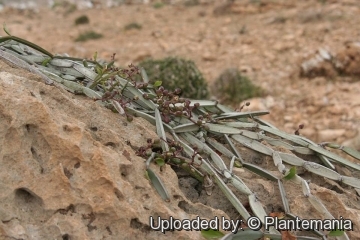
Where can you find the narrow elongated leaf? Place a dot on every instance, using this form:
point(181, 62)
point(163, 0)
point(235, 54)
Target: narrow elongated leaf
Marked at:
point(260, 171)
point(85, 71)
point(322, 171)
point(160, 131)
point(334, 156)
point(144, 75)
point(284, 198)
point(276, 158)
point(290, 137)
point(187, 127)
point(351, 181)
point(253, 144)
point(202, 103)
point(158, 185)
point(305, 188)
point(27, 43)
point(326, 161)
point(233, 115)
point(75, 87)
point(257, 207)
point(250, 134)
point(68, 77)
point(291, 159)
point(61, 63)
point(303, 150)
point(232, 198)
point(352, 152)
point(317, 232)
point(240, 124)
point(216, 128)
point(35, 59)
point(233, 148)
point(91, 93)
point(148, 161)
point(317, 204)
point(219, 147)
point(240, 185)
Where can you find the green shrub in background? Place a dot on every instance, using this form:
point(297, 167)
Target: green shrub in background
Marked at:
point(232, 88)
point(133, 25)
point(177, 73)
point(89, 35)
point(83, 19)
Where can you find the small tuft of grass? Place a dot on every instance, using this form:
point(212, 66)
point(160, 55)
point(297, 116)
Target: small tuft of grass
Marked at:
point(190, 3)
point(133, 25)
point(89, 35)
point(83, 19)
point(158, 5)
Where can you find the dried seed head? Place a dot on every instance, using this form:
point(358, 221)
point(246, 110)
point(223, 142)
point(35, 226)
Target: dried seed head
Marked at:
point(158, 92)
point(177, 91)
point(160, 101)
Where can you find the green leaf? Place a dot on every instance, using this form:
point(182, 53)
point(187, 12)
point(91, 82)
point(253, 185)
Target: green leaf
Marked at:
point(237, 164)
point(6, 30)
point(352, 152)
point(291, 173)
point(158, 185)
point(336, 233)
point(160, 161)
point(157, 83)
point(211, 234)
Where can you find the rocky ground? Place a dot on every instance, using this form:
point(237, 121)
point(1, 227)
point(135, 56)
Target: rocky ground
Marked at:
point(269, 41)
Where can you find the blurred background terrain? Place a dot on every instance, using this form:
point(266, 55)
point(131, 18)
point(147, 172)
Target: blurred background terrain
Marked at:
point(301, 57)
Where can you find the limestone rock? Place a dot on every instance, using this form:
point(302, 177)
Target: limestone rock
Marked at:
point(67, 171)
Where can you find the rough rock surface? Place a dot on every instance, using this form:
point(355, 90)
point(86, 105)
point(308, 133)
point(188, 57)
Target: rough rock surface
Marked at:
point(67, 172)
